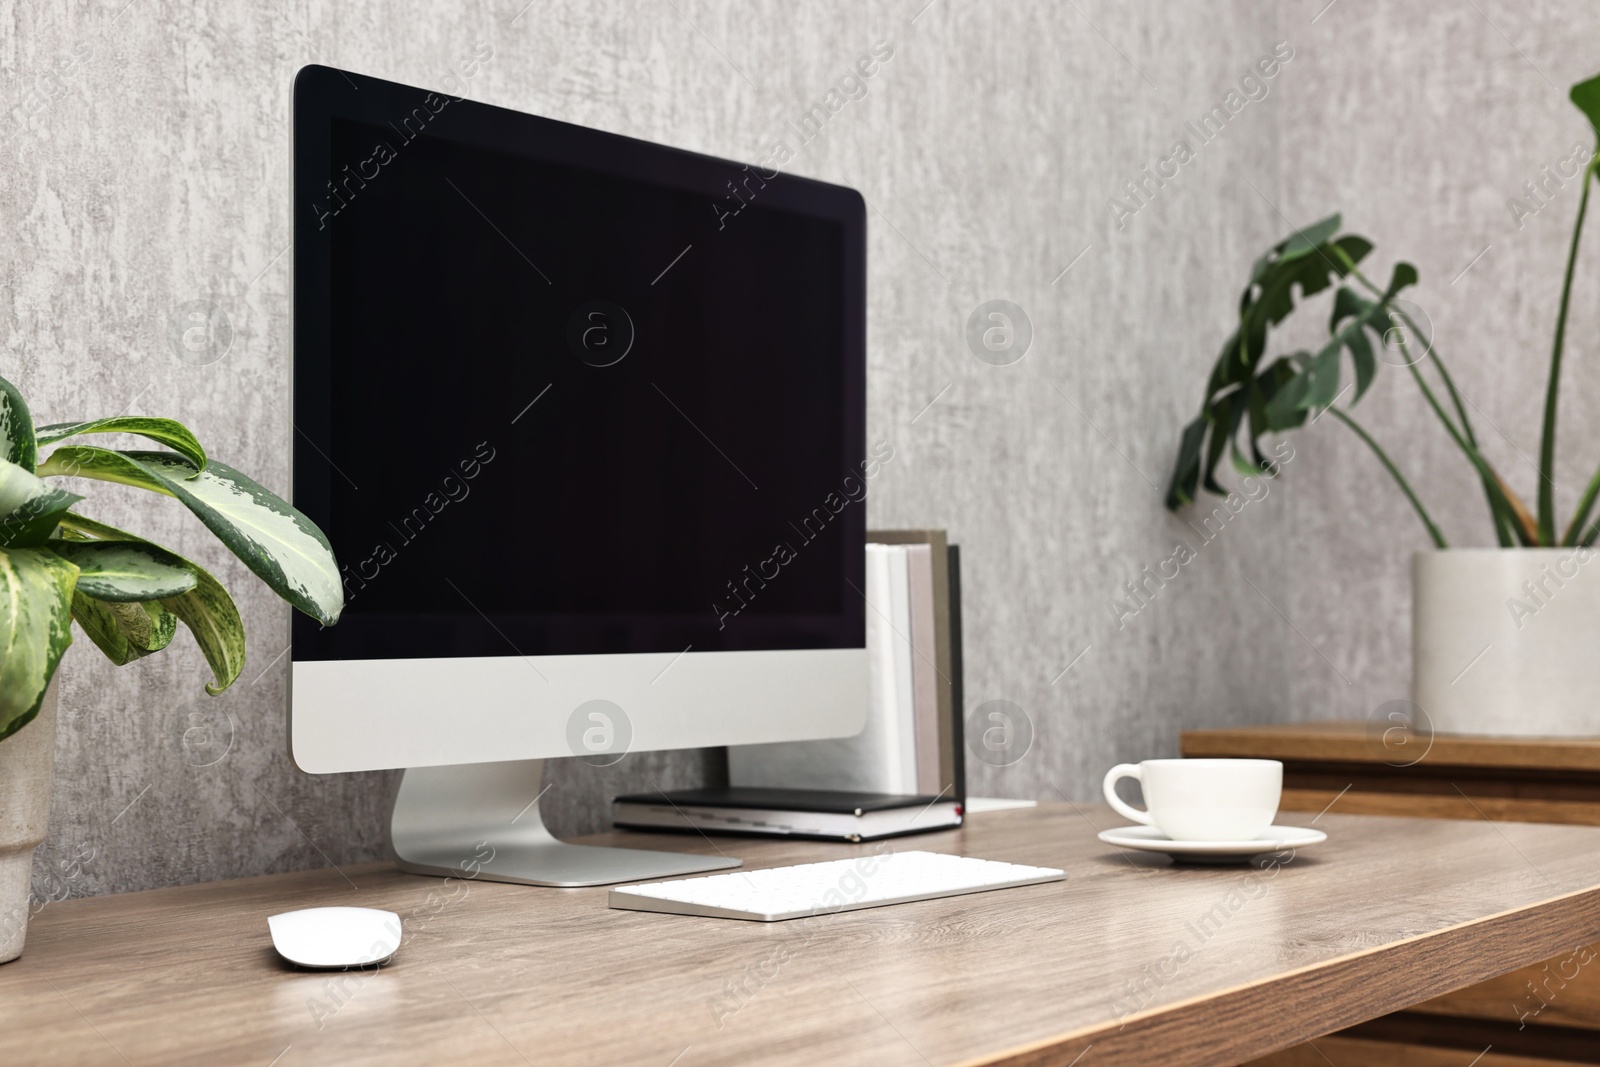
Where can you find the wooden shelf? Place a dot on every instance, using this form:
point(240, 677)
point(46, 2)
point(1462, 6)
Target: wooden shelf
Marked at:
point(1361, 743)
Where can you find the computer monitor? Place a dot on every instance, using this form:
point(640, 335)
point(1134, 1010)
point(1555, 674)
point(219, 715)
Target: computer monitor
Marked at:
point(584, 420)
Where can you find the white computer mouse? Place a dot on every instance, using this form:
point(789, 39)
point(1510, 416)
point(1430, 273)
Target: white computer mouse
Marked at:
point(335, 937)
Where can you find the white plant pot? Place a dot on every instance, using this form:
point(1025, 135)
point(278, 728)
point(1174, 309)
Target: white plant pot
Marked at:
point(26, 760)
point(1506, 641)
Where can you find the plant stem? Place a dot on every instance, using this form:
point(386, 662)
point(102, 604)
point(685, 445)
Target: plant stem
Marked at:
point(1394, 472)
point(1588, 539)
point(1432, 353)
point(1499, 507)
point(1547, 440)
point(1581, 516)
point(1502, 528)
point(1449, 382)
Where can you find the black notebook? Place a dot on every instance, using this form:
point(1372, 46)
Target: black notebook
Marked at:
point(817, 813)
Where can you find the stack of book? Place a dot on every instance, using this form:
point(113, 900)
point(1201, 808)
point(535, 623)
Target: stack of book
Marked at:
point(911, 744)
point(904, 773)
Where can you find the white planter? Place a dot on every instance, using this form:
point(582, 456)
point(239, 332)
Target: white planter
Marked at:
point(1506, 641)
point(26, 760)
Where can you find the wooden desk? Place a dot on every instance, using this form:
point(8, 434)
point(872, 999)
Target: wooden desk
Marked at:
point(1546, 1014)
point(1131, 960)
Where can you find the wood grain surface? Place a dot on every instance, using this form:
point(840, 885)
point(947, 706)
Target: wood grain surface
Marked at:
point(1453, 805)
point(1361, 742)
point(1350, 1052)
point(1549, 1008)
point(1131, 960)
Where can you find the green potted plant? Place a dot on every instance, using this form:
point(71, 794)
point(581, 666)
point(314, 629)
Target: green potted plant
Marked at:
point(1524, 618)
point(127, 595)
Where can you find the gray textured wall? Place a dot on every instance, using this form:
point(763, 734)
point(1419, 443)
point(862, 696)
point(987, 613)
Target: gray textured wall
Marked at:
point(145, 152)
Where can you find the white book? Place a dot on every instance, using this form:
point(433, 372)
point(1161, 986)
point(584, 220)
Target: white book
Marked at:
point(883, 757)
point(924, 668)
point(902, 714)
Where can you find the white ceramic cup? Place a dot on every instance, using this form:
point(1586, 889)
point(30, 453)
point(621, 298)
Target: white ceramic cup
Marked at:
point(1202, 799)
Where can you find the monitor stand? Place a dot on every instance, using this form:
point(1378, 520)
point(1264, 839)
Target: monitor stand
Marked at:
point(481, 820)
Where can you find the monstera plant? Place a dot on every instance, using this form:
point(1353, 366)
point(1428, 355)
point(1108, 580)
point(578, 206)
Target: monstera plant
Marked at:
point(128, 595)
point(1250, 393)
point(1538, 676)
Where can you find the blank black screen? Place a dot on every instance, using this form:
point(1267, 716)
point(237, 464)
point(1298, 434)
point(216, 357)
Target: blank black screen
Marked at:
point(573, 409)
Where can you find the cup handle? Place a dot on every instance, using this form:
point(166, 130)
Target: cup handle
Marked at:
point(1123, 808)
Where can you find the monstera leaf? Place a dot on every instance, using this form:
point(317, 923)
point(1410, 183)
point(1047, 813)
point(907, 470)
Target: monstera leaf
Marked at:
point(1315, 384)
point(1248, 392)
point(1239, 389)
point(1586, 95)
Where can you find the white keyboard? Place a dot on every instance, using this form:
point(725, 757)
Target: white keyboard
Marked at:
point(869, 881)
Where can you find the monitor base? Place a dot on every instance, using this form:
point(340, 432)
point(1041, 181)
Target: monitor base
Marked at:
point(481, 820)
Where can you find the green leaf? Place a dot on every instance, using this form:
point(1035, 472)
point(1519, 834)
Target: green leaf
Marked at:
point(35, 629)
point(1269, 298)
point(82, 528)
point(1586, 95)
point(101, 464)
point(125, 571)
point(16, 429)
point(283, 547)
point(1224, 417)
point(1281, 396)
point(211, 615)
point(29, 508)
point(1324, 374)
point(1348, 303)
point(1241, 464)
point(1287, 410)
point(174, 435)
point(1297, 244)
point(1186, 476)
point(124, 632)
point(18, 486)
point(207, 609)
point(1404, 274)
point(1281, 386)
point(1372, 315)
point(1304, 242)
point(1366, 363)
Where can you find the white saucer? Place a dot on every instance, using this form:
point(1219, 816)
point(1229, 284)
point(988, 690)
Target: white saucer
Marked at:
point(1272, 839)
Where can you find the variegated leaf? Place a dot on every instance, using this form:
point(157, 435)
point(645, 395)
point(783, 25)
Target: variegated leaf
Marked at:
point(29, 507)
point(18, 486)
point(125, 571)
point(174, 435)
point(16, 428)
point(35, 629)
point(207, 609)
point(283, 547)
point(101, 464)
point(124, 632)
point(211, 615)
